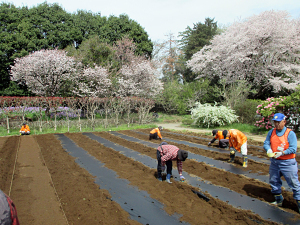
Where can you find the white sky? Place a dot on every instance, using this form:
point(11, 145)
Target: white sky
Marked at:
point(162, 17)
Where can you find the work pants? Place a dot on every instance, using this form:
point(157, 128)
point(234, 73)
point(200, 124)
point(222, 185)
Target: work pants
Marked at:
point(153, 136)
point(169, 165)
point(289, 170)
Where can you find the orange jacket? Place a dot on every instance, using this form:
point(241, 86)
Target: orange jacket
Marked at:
point(25, 128)
point(156, 130)
point(237, 139)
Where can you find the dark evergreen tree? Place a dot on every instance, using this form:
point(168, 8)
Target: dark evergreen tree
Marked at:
point(192, 40)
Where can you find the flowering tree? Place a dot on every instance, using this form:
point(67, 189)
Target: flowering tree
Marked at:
point(139, 79)
point(264, 50)
point(45, 72)
point(93, 82)
point(137, 76)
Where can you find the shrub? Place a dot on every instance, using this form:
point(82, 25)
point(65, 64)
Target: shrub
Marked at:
point(246, 111)
point(206, 115)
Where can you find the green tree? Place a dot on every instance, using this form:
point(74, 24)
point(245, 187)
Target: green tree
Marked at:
point(87, 24)
point(93, 51)
point(118, 27)
point(194, 39)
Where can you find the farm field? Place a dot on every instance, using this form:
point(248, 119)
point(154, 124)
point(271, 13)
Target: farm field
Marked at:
point(110, 178)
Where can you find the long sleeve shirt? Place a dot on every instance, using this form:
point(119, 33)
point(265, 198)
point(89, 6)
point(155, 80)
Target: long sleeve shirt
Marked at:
point(219, 136)
point(156, 130)
point(170, 152)
point(292, 139)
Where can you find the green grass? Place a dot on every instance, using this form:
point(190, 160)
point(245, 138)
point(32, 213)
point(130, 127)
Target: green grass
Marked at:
point(3, 131)
point(163, 118)
point(167, 118)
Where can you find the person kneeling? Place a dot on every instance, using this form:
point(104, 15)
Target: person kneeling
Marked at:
point(25, 130)
point(223, 141)
point(155, 133)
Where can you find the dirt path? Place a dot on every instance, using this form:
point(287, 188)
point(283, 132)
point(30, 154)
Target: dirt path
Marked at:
point(32, 188)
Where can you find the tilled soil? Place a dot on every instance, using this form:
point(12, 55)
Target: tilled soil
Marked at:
point(85, 202)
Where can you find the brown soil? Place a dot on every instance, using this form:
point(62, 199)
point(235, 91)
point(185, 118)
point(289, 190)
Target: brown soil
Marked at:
point(84, 202)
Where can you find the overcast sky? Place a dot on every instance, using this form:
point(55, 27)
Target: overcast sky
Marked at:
point(162, 17)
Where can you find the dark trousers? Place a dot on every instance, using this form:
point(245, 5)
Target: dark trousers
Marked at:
point(223, 143)
point(153, 136)
point(168, 164)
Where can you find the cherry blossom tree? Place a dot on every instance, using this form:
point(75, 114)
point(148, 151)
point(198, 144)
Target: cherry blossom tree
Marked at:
point(93, 82)
point(263, 50)
point(136, 76)
point(139, 79)
point(45, 72)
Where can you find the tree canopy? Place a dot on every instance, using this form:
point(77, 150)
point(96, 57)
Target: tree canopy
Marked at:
point(192, 41)
point(46, 72)
point(49, 26)
point(53, 73)
point(264, 50)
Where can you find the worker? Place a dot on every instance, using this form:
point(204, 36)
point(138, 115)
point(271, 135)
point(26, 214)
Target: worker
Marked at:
point(237, 142)
point(165, 155)
point(223, 142)
point(281, 147)
point(25, 130)
point(155, 133)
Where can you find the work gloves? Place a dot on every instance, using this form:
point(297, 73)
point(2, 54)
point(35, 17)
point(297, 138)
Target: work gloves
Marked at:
point(278, 154)
point(209, 143)
point(270, 153)
point(182, 178)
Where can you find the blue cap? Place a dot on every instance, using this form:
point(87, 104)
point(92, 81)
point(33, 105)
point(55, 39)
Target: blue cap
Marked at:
point(278, 117)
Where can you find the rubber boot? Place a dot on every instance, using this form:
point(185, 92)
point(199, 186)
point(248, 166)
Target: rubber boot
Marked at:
point(168, 178)
point(232, 156)
point(159, 178)
point(278, 200)
point(298, 203)
point(245, 161)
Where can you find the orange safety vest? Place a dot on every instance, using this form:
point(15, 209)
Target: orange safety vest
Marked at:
point(156, 130)
point(276, 141)
point(237, 139)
